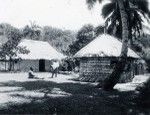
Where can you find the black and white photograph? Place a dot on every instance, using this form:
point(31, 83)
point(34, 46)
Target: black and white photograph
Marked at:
point(75, 57)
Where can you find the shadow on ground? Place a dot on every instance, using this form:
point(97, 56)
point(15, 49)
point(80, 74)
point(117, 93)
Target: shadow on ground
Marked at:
point(84, 99)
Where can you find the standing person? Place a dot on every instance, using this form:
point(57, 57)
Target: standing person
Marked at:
point(55, 65)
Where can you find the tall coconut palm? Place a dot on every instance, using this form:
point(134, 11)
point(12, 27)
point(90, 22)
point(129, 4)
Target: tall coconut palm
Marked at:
point(135, 10)
point(111, 81)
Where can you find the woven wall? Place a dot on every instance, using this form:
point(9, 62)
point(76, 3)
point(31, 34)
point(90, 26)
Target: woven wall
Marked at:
point(25, 65)
point(97, 69)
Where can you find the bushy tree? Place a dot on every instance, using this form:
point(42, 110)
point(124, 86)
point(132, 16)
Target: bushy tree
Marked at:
point(84, 36)
point(99, 30)
point(58, 38)
point(32, 32)
point(10, 48)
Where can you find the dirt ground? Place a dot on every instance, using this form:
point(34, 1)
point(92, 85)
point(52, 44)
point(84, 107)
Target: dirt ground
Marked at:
point(61, 95)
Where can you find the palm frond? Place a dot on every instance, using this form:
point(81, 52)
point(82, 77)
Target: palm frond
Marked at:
point(135, 23)
point(113, 19)
point(90, 3)
point(143, 5)
point(145, 15)
point(108, 9)
point(135, 9)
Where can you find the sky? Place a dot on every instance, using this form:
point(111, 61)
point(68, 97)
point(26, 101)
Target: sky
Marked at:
point(65, 14)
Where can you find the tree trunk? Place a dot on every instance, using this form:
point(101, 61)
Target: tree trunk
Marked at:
point(113, 79)
point(10, 64)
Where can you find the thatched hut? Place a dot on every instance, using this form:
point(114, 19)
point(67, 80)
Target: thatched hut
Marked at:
point(98, 58)
point(39, 56)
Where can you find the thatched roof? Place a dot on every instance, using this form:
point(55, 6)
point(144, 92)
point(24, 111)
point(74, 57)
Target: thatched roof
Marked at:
point(39, 50)
point(104, 46)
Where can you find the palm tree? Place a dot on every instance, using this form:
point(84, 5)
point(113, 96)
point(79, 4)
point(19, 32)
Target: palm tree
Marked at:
point(135, 9)
point(120, 9)
point(118, 69)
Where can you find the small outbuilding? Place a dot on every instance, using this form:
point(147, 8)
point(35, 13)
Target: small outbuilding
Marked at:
point(97, 60)
point(39, 56)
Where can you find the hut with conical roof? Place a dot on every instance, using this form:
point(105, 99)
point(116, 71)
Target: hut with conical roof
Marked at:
point(97, 59)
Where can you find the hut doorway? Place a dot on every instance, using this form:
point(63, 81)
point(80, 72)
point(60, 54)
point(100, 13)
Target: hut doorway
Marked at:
point(42, 65)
